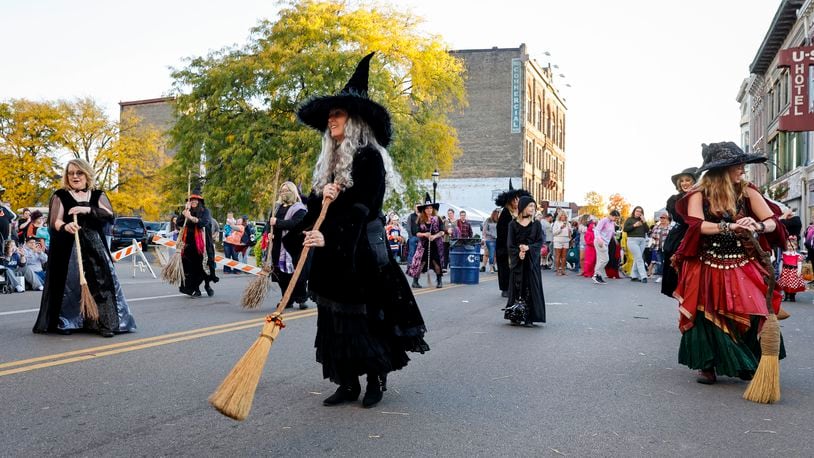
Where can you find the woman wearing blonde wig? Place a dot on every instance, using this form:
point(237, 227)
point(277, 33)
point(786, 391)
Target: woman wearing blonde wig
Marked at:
point(59, 306)
point(720, 290)
point(562, 238)
point(287, 215)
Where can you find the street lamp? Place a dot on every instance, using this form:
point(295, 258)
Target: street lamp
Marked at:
point(435, 176)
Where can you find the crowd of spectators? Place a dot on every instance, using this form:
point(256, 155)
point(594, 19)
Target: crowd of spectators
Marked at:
point(24, 239)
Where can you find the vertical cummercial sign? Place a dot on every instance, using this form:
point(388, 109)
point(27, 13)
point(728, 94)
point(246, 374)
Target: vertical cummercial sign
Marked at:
point(517, 99)
point(800, 117)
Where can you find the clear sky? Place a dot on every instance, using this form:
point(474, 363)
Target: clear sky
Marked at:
point(650, 80)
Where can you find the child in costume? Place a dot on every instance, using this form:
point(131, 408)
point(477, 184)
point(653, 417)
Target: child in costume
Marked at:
point(791, 281)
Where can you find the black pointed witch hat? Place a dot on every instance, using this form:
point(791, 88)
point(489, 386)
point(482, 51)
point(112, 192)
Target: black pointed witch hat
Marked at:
point(507, 196)
point(353, 99)
point(428, 203)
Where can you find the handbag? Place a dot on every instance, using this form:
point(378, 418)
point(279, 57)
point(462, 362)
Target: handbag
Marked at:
point(377, 241)
point(573, 255)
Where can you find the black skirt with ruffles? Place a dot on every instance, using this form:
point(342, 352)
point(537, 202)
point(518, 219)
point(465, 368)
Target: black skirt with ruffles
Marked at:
point(351, 342)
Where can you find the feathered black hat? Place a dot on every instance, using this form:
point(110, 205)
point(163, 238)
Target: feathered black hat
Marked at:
point(690, 171)
point(724, 154)
point(507, 196)
point(353, 99)
point(428, 203)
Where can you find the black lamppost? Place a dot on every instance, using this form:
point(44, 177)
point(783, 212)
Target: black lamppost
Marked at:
point(435, 176)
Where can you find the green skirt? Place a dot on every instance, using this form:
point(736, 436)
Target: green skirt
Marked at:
point(705, 346)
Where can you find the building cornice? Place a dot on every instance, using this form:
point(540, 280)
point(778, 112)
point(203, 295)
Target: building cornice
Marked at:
point(782, 23)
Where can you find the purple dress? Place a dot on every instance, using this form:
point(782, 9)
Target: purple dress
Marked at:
point(420, 260)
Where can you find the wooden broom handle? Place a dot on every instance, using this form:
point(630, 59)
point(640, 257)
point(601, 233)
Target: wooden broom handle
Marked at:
point(274, 208)
point(326, 202)
point(82, 280)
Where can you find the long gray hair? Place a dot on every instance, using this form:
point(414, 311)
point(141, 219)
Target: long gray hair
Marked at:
point(357, 135)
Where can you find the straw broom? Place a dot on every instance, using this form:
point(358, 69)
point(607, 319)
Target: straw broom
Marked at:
point(765, 385)
point(87, 305)
point(173, 272)
point(257, 289)
point(235, 394)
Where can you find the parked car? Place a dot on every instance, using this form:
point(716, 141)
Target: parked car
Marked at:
point(152, 228)
point(164, 230)
point(126, 229)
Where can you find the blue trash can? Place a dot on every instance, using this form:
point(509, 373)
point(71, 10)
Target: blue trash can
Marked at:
point(464, 261)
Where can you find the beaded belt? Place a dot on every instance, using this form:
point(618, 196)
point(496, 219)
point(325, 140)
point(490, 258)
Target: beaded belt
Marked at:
point(724, 253)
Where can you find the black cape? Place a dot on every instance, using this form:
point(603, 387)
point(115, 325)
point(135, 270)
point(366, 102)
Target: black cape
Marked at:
point(526, 279)
point(669, 276)
point(501, 249)
point(196, 268)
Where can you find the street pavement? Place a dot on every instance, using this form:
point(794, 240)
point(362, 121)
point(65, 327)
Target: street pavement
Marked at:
point(600, 378)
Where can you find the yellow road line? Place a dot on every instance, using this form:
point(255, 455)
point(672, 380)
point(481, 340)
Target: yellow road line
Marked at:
point(142, 346)
point(84, 354)
point(254, 321)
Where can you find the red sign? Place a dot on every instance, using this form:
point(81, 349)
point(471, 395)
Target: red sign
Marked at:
point(800, 117)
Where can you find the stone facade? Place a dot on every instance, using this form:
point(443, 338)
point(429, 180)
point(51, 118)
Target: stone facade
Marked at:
point(514, 126)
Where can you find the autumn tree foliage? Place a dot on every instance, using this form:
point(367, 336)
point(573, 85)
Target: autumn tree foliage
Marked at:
point(619, 203)
point(37, 138)
point(236, 107)
point(29, 141)
point(594, 204)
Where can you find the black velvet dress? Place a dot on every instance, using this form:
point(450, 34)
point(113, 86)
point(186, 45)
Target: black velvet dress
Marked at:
point(59, 306)
point(526, 280)
point(368, 317)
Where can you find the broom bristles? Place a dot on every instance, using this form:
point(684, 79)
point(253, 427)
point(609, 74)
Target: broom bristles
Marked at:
point(173, 272)
point(765, 385)
point(235, 394)
point(87, 304)
point(256, 291)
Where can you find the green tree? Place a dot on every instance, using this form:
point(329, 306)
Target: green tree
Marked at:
point(236, 107)
point(594, 204)
point(29, 141)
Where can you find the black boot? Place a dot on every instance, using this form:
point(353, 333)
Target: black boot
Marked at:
point(345, 393)
point(209, 291)
point(415, 283)
point(373, 392)
point(439, 284)
point(793, 297)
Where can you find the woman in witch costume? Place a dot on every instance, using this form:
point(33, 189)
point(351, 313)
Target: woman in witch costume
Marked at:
point(720, 290)
point(525, 238)
point(288, 215)
point(683, 182)
point(508, 201)
point(430, 237)
point(59, 306)
point(198, 256)
point(368, 318)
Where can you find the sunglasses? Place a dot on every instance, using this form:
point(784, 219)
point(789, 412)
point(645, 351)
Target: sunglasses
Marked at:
point(77, 173)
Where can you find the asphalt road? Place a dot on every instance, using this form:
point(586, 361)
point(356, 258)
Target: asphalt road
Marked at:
point(599, 379)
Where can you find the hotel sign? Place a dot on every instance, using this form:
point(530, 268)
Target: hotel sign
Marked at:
point(517, 99)
point(800, 62)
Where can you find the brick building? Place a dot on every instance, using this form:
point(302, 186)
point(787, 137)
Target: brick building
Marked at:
point(156, 113)
point(513, 128)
